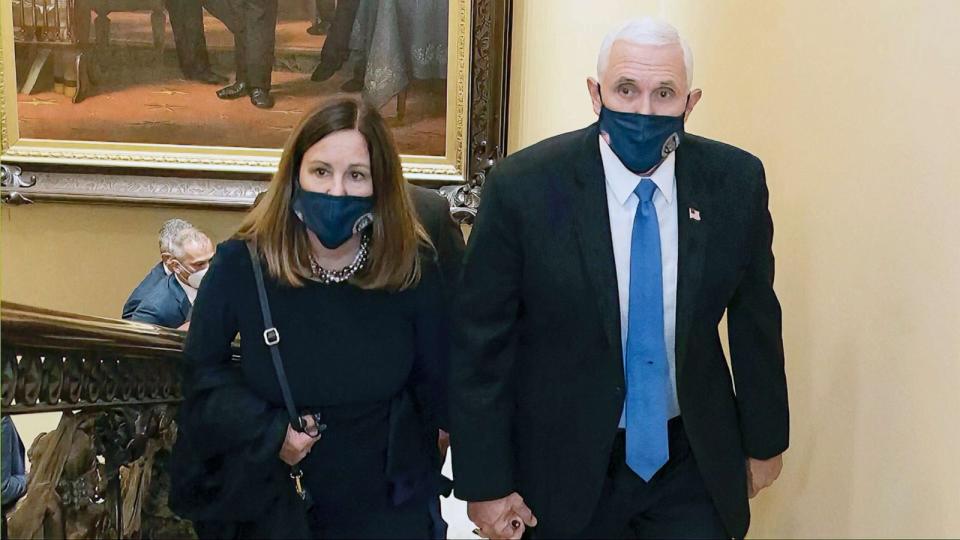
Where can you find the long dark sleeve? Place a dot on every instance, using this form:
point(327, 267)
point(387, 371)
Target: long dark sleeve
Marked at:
point(431, 367)
point(756, 346)
point(484, 349)
point(219, 406)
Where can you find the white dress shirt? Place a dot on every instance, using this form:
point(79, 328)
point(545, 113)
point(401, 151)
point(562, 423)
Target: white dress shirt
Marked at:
point(622, 204)
point(191, 292)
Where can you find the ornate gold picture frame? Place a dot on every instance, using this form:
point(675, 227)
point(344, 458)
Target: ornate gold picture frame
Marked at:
point(136, 172)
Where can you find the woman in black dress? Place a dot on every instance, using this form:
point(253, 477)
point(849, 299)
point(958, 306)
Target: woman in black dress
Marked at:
point(355, 294)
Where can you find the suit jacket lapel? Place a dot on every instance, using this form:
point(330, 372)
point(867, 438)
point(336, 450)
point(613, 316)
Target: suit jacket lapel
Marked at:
point(693, 219)
point(592, 218)
point(183, 302)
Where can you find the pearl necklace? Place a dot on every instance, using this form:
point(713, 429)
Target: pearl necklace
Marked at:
point(325, 276)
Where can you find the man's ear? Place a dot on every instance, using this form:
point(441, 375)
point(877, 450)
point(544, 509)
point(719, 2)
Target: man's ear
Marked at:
point(593, 87)
point(168, 261)
point(695, 96)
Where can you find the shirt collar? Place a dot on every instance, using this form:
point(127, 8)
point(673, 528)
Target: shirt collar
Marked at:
point(622, 181)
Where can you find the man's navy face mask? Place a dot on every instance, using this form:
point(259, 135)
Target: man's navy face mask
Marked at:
point(334, 219)
point(641, 141)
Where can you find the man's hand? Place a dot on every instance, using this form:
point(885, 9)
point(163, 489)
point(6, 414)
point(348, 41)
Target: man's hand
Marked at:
point(501, 518)
point(761, 473)
point(297, 445)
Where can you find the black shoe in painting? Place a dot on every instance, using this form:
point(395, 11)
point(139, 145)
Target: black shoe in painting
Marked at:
point(261, 98)
point(233, 91)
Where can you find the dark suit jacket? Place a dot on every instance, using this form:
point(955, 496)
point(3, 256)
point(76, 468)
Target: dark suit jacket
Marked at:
point(433, 209)
point(537, 373)
point(154, 276)
point(165, 305)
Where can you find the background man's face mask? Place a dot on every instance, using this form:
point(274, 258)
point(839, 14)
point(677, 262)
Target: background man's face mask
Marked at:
point(641, 141)
point(193, 278)
point(196, 277)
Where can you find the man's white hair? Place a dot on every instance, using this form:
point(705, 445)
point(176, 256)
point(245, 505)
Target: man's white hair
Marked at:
point(169, 230)
point(646, 31)
point(192, 235)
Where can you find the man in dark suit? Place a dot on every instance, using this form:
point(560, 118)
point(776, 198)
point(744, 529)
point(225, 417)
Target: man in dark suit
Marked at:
point(590, 394)
point(433, 209)
point(169, 302)
point(168, 231)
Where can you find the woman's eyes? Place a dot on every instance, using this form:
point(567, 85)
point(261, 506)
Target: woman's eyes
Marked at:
point(355, 175)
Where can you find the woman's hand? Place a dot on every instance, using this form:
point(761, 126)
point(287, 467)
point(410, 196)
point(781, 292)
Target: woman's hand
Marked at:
point(297, 445)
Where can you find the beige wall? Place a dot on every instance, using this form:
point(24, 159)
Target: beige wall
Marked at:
point(851, 106)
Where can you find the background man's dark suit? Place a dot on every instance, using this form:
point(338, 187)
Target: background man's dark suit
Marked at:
point(154, 276)
point(165, 305)
point(433, 210)
point(537, 374)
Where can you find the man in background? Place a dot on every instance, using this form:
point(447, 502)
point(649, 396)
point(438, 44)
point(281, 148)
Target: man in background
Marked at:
point(169, 303)
point(162, 269)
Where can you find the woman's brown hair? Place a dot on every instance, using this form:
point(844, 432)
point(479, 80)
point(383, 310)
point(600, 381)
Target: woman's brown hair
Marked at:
point(393, 262)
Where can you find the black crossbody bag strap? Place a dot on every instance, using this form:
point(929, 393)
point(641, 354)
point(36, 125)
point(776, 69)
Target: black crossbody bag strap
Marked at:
point(272, 338)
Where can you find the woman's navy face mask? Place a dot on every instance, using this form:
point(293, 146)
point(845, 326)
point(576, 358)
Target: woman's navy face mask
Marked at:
point(333, 218)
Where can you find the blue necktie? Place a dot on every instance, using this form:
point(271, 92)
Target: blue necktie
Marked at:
point(647, 372)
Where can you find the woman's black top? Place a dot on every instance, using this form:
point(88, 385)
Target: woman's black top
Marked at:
point(372, 362)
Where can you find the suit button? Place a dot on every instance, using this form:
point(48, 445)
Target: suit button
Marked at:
point(618, 390)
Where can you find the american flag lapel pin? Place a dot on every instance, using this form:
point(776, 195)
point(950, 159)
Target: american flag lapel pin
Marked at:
point(694, 214)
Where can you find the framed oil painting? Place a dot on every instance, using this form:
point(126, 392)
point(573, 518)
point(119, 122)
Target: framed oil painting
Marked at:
point(192, 95)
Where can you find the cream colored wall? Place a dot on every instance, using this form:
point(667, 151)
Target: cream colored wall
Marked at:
point(852, 107)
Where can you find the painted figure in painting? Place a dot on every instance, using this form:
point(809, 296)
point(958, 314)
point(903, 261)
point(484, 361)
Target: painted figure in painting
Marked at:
point(141, 71)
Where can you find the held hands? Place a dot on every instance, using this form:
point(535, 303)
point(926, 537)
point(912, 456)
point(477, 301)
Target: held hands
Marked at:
point(503, 518)
point(297, 445)
point(761, 473)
